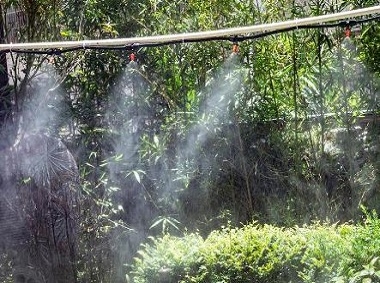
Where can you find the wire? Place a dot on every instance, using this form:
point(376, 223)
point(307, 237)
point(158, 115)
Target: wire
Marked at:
point(235, 35)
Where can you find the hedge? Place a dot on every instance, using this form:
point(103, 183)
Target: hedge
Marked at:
point(264, 253)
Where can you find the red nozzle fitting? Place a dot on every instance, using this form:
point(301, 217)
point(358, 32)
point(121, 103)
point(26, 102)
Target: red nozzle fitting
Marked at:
point(132, 57)
point(347, 31)
point(235, 48)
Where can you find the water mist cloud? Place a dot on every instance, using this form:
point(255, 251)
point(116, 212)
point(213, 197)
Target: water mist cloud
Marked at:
point(219, 98)
point(39, 184)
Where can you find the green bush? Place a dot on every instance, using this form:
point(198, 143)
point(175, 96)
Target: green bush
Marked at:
point(363, 265)
point(253, 253)
point(168, 259)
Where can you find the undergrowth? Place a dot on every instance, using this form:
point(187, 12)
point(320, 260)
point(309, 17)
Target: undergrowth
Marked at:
point(264, 253)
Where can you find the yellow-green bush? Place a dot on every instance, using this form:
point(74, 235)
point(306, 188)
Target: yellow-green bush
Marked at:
point(264, 253)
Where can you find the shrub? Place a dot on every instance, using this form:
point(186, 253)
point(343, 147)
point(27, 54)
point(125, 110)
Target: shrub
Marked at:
point(253, 253)
point(362, 264)
point(167, 259)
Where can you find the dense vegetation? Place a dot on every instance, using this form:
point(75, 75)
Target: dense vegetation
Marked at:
point(190, 138)
point(255, 253)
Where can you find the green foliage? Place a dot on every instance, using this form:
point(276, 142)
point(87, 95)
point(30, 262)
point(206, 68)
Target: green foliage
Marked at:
point(167, 258)
point(156, 154)
point(369, 273)
point(253, 253)
point(366, 242)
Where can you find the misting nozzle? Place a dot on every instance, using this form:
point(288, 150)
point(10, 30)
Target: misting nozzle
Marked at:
point(132, 57)
point(347, 31)
point(235, 48)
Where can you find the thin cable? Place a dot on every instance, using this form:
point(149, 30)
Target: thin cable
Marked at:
point(231, 34)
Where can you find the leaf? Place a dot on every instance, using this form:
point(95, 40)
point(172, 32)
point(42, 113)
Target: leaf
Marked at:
point(114, 189)
point(137, 176)
point(156, 223)
point(26, 180)
point(118, 157)
point(373, 261)
point(156, 140)
point(65, 33)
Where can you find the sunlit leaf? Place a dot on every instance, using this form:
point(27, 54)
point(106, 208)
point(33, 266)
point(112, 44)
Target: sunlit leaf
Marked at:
point(137, 176)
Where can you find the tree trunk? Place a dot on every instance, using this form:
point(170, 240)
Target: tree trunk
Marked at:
point(5, 94)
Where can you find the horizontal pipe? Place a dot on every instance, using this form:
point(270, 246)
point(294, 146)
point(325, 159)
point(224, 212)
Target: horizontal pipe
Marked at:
point(193, 36)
